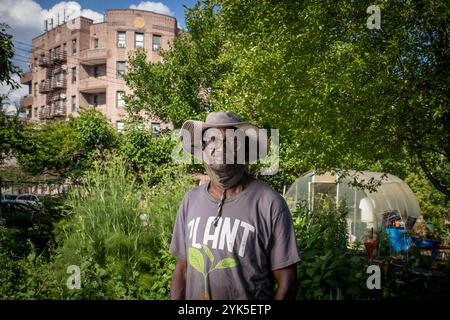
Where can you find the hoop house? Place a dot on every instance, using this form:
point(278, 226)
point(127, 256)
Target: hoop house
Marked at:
point(365, 208)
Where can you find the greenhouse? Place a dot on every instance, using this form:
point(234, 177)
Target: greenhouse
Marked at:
point(366, 207)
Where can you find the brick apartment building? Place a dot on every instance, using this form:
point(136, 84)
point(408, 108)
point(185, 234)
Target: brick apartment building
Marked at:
point(79, 64)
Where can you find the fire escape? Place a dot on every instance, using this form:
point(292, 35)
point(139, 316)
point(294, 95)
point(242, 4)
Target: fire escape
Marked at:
point(54, 85)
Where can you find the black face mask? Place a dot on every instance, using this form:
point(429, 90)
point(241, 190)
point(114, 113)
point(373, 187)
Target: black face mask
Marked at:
point(226, 175)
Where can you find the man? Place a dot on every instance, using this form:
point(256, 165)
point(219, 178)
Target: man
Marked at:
point(233, 236)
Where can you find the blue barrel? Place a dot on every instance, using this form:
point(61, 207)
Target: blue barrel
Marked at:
point(399, 241)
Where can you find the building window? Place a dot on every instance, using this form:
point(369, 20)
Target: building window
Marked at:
point(95, 100)
point(35, 89)
point(156, 41)
point(57, 105)
point(156, 128)
point(138, 40)
point(96, 43)
point(95, 71)
point(120, 99)
point(121, 68)
point(57, 52)
point(65, 48)
point(120, 126)
point(35, 64)
point(121, 39)
point(73, 103)
point(35, 112)
point(74, 46)
point(74, 74)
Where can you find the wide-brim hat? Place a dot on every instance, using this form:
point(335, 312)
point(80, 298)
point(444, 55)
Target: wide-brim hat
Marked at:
point(192, 133)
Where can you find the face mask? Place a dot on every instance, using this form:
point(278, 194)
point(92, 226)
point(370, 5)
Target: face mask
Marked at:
point(227, 175)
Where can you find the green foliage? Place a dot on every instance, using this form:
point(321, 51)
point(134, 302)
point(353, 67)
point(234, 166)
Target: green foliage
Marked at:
point(13, 136)
point(53, 148)
point(28, 278)
point(434, 206)
point(342, 95)
point(7, 67)
point(145, 153)
point(94, 132)
point(328, 269)
point(176, 90)
point(118, 235)
point(66, 148)
point(25, 255)
point(316, 65)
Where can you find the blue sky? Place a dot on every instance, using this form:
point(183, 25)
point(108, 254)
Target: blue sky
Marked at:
point(100, 6)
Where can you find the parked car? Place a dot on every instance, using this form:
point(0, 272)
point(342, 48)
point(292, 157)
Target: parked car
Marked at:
point(17, 214)
point(28, 198)
point(8, 196)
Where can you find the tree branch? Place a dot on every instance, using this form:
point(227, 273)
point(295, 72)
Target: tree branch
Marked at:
point(436, 183)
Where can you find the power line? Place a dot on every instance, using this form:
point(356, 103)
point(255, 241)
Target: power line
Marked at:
point(18, 60)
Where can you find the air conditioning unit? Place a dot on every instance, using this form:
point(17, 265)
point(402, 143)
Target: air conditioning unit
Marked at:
point(64, 67)
point(62, 96)
point(121, 45)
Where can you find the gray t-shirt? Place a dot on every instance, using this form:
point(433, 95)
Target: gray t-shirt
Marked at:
point(234, 260)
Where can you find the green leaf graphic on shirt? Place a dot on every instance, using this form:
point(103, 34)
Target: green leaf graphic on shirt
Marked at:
point(226, 263)
point(208, 253)
point(196, 259)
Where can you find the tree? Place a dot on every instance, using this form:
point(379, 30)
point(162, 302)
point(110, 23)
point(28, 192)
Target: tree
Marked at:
point(146, 155)
point(177, 89)
point(7, 67)
point(94, 133)
point(53, 150)
point(65, 149)
point(343, 96)
point(11, 129)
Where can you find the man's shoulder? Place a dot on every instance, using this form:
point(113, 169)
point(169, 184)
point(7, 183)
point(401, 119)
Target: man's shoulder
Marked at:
point(194, 192)
point(269, 196)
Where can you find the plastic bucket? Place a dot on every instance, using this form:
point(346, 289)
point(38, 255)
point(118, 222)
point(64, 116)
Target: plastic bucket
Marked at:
point(399, 241)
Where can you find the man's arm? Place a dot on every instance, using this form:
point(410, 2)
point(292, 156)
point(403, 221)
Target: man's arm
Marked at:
point(178, 290)
point(287, 282)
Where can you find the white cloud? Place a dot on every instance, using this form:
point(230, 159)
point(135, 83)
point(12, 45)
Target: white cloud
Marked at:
point(157, 7)
point(26, 20)
point(71, 9)
point(14, 95)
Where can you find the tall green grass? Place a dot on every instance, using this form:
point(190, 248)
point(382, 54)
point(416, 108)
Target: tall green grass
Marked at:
point(121, 254)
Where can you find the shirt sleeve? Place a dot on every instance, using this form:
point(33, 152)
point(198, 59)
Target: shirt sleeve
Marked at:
point(283, 250)
point(178, 243)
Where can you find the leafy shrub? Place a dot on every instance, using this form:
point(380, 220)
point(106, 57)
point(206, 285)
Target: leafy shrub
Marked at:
point(145, 153)
point(435, 206)
point(329, 269)
point(118, 235)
